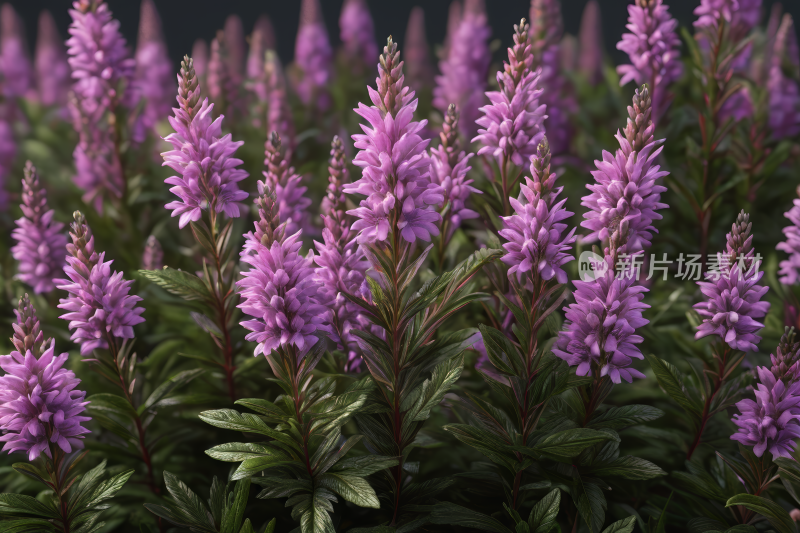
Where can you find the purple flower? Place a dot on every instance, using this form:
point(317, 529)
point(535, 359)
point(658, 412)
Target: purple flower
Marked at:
point(770, 422)
point(98, 307)
point(625, 188)
point(465, 69)
point(203, 157)
point(15, 63)
point(282, 293)
point(786, 360)
point(279, 113)
point(537, 246)
point(235, 48)
point(287, 184)
point(653, 47)
point(600, 333)
point(153, 79)
point(52, 69)
point(40, 241)
point(220, 80)
point(200, 59)
point(313, 57)
point(395, 177)
point(261, 40)
point(741, 15)
point(790, 268)
point(153, 256)
point(419, 70)
point(40, 406)
point(590, 36)
point(358, 32)
point(733, 296)
point(512, 125)
point(782, 83)
point(545, 33)
point(8, 151)
point(449, 167)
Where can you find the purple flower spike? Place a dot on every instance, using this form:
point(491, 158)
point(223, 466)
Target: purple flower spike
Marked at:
point(15, 63)
point(782, 84)
point(537, 246)
point(625, 188)
point(8, 151)
point(733, 295)
point(98, 307)
point(287, 184)
point(419, 70)
point(153, 256)
point(261, 40)
point(395, 177)
point(513, 124)
point(770, 423)
point(40, 406)
point(279, 113)
point(235, 47)
point(203, 157)
point(653, 47)
point(200, 59)
point(786, 360)
point(454, 14)
point(358, 32)
point(600, 335)
point(313, 57)
point(283, 295)
point(220, 81)
point(545, 33)
point(449, 167)
point(40, 241)
point(741, 15)
point(590, 36)
point(153, 79)
point(465, 69)
point(52, 69)
point(790, 268)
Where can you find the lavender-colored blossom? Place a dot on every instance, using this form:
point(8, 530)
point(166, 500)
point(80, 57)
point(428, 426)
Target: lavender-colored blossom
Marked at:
point(153, 256)
point(235, 46)
point(279, 113)
point(15, 62)
point(52, 69)
point(40, 405)
point(358, 32)
point(590, 36)
point(419, 70)
point(395, 176)
point(98, 306)
point(221, 83)
point(770, 423)
point(653, 47)
point(732, 294)
point(287, 184)
point(741, 15)
point(203, 157)
point(8, 151)
point(200, 59)
point(261, 40)
point(153, 80)
point(786, 359)
point(537, 246)
point(313, 57)
point(568, 53)
point(449, 168)
point(465, 70)
point(782, 84)
point(40, 240)
point(454, 14)
point(600, 333)
point(790, 268)
point(545, 33)
point(625, 188)
point(513, 124)
point(282, 293)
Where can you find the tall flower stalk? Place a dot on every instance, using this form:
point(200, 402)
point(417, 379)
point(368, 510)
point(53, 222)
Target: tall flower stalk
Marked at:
point(50, 63)
point(313, 57)
point(287, 185)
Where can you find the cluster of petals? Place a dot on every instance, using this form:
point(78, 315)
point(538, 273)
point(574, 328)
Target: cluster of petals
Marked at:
point(742, 15)
point(455, 187)
point(790, 268)
point(313, 57)
point(782, 84)
point(203, 158)
point(50, 63)
point(280, 291)
point(770, 422)
point(732, 305)
point(15, 63)
point(653, 47)
point(357, 32)
point(601, 327)
point(39, 404)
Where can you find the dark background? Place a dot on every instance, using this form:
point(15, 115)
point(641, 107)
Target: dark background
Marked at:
point(186, 20)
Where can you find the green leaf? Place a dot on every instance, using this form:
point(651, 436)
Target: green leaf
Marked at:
point(178, 380)
point(628, 467)
point(625, 416)
point(774, 513)
point(235, 452)
point(20, 504)
point(271, 526)
point(185, 509)
point(234, 514)
point(111, 403)
point(572, 442)
point(255, 465)
point(671, 380)
point(591, 504)
point(433, 390)
point(543, 515)
point(247, 527)
point(177, 282)
point(244, 422)
point(625, 525)
point(451, 514)
point(353, 489)
point(313, 513)
point(364, 465)
point(26, 524)
point(485, 442)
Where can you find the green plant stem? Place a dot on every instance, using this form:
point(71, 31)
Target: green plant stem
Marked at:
point(57, 484)
point(397, 425)
point(221, 309)
point(719, 379)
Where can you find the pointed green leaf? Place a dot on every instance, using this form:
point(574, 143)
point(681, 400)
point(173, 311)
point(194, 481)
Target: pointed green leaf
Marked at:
point(177, 282)
point(178, 380)
point(774, 513)
point(353, 489)
point(625, 416)
point(235, 513)
point(543, 515)
point(235, 452)
point(628, 467)
point(457, 515)
point(671, 380)
point(572, 442)
point(625, 525)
